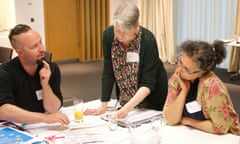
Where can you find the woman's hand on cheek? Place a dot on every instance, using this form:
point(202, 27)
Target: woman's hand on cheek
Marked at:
point(185, 84)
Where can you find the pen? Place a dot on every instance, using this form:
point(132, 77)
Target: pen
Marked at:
point(54, 137)
point(41, 142)
point(90, 142)
point(24, 124)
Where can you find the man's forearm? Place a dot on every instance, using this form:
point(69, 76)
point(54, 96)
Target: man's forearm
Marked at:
point(51, 102)
point(13, 113)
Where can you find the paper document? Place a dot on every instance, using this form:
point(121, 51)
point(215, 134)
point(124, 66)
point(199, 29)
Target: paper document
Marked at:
point(137, 116)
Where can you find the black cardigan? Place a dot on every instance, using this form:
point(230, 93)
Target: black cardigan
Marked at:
point(151, 74)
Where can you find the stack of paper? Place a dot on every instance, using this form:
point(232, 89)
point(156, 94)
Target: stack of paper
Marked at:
point(137, 117)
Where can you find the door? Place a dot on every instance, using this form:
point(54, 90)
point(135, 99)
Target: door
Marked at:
point(61, 29)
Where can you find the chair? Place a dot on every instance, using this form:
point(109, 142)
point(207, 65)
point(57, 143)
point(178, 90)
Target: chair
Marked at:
point(5, 54)
point(48, 56)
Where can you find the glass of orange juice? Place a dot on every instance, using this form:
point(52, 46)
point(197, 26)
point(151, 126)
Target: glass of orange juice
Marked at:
point(78, 110)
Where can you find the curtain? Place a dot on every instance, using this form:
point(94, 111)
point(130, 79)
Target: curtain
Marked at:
point(157, 16)
point(235, 51)
point(205, 20)
point(93, 19)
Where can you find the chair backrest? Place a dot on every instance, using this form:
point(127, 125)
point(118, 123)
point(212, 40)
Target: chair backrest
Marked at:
point(5, 54)
point(48, 56)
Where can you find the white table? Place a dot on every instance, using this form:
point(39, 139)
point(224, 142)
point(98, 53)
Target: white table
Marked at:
point(234, 43)
point(96, 130)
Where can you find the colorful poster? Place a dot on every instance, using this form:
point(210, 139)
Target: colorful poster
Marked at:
point(12, 136)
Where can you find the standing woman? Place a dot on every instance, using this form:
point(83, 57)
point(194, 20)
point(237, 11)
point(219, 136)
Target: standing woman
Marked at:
point(196, 96)
point(132, 62)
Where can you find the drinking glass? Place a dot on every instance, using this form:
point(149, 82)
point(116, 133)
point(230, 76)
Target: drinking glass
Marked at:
point(142, 134)
point(112, 119)
point(111, 114)
point(78, 110)
point(157, 124)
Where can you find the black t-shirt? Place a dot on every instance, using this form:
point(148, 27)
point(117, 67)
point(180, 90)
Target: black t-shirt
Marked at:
point(192, 95)
point(18, 88)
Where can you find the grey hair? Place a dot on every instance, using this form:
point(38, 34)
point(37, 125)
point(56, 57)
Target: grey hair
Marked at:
point(127, 15)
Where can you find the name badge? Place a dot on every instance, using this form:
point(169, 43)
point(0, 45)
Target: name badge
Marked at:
point(132, 57)
point(193, 107)
point(39, 94)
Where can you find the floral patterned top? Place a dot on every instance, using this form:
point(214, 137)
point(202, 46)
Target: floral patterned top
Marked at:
point(126, 72)
point(214, 99)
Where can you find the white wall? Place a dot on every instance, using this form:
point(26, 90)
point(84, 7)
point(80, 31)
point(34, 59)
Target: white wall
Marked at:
point(20, 11)
point(7, 15)
point(31, 9)
point(7, 21)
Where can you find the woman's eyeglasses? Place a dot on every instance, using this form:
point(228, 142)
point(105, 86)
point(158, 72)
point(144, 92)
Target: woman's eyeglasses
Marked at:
point(185, 69)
